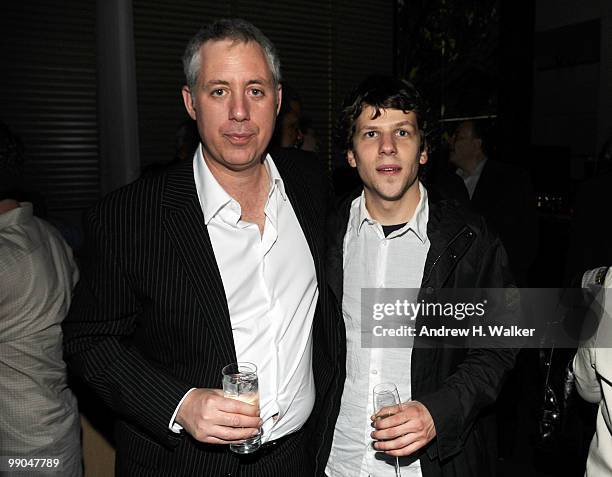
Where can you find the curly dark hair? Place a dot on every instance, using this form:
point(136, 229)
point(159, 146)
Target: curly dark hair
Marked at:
point(380, 92)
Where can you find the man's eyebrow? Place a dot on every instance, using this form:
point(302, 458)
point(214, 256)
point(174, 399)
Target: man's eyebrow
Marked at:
point(371, 127)
point(407, 122)
point(216, 82)
point(375, 126)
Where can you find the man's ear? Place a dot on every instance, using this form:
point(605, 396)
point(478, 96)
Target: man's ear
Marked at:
point(188, 102)
point(279, 97)
point(350, 157)
point(423, 157)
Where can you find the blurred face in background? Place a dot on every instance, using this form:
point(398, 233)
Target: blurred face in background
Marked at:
point(463, 146)
point(291, 134)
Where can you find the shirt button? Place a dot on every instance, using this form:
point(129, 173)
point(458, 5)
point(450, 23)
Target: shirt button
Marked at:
point(374, 371)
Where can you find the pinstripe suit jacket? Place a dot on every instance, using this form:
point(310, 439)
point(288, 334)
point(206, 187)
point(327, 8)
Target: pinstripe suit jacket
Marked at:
point(150, 320)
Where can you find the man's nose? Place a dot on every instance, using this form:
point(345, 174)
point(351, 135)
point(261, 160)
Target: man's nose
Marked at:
point(239, 108)
point(387, 144)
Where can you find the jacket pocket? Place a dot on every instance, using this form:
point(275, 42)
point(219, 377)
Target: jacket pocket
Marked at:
point(135, 446)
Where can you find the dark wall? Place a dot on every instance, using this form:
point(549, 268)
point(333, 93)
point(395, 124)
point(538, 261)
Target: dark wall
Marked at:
point(49, 54)
point(48, 96)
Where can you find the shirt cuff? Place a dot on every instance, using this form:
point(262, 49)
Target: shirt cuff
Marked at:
point(173, 426)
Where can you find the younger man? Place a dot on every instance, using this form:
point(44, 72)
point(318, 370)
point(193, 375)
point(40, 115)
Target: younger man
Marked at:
point(396, 234)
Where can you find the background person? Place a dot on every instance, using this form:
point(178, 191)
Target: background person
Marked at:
point(38, 411)
point(593, 372)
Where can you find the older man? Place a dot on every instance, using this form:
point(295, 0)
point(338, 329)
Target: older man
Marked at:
point(216, 260)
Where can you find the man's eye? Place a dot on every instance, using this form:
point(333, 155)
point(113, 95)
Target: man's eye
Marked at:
point(403, 133)
point(218, 92)
point(257, 92)
point(370, 134)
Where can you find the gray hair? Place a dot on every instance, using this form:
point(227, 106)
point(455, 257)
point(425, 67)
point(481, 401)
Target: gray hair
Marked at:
point(234, 29)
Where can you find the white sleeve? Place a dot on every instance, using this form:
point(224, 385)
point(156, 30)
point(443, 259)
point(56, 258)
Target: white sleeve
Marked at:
point(587, 384)
point(173, 426)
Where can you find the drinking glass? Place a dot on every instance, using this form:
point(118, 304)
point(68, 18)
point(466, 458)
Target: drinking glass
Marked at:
point(240, 382)
point(386, 396)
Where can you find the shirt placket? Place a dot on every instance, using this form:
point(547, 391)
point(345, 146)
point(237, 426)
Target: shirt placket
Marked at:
point(268, 239)
point(375, 372)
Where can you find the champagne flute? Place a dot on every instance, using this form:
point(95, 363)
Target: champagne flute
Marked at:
point(240, 382)
point(386, 396)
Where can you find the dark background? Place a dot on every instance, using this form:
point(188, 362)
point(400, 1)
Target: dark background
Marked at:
point(93, 91)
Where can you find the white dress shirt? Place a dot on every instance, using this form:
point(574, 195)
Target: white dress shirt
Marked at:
point(372, 260)
point(271, 289)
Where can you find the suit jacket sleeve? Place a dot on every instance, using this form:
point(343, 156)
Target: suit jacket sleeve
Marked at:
point(478, 379)
point(97, 340)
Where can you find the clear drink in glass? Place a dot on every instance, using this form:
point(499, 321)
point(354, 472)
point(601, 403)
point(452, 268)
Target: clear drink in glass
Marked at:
point(240, 382)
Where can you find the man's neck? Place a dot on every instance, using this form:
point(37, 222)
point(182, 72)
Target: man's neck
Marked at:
point(240, 184)
point(249, 187)
point(392, 212)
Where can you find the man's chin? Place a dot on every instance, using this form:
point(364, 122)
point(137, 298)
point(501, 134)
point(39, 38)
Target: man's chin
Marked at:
point(240, 160)
point(393, 194)
point(392, 198)
point(243, 164)
point(389, 196)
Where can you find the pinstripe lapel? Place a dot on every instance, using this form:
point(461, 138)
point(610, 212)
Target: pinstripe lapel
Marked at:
point(184, 223)
point(299, 196)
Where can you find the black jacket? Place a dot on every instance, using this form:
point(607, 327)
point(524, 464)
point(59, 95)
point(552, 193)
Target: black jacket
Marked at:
point(456, 385)
point(504, 197)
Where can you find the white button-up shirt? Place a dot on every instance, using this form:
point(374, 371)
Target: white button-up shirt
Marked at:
point(372, 260)
point(271, 289)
